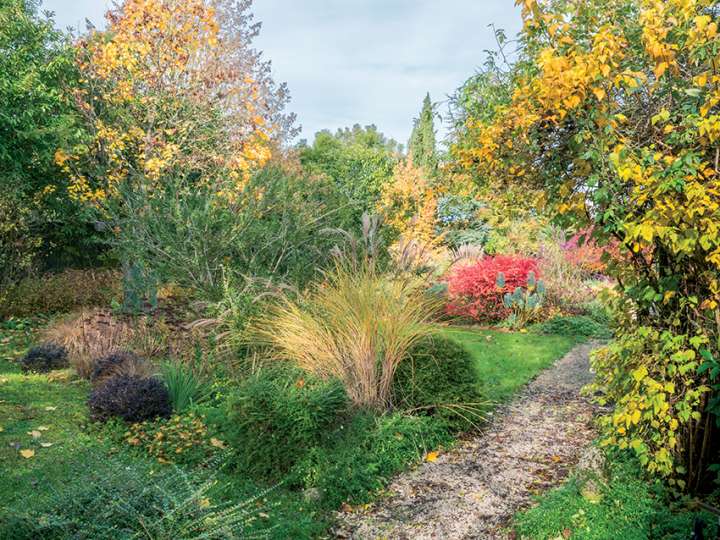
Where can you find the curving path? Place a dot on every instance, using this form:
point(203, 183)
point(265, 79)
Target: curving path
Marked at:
point(473, 491)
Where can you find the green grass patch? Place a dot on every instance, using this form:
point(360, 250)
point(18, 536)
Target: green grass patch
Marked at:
point(47, 415)
point(624, 505)
point(506, 361)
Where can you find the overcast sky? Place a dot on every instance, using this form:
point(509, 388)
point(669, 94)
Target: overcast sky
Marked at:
point(360, 61)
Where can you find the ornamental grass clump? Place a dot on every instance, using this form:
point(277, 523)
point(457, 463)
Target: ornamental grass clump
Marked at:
point(357, 325)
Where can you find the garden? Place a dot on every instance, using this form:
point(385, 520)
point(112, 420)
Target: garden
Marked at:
point(211, 330)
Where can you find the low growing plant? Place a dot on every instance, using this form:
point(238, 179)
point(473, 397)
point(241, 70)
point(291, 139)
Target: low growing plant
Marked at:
point(185, 386)
point(277, 415)
point(131, 398)
point(44, 358)
point(119, 363)
point(108, 499)
point(578, 325)
point(182, 439)
point(360, 458)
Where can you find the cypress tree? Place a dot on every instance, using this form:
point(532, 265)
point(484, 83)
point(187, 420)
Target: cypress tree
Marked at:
point(422, 140)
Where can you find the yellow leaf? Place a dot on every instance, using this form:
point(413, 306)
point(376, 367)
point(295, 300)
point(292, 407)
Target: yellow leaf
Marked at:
point(50, 408)
point(204, 503)
point(27, 454)
point(431, 457)
point(46, 444)
point(35, 434)
point(43, 428)
point(217, 443)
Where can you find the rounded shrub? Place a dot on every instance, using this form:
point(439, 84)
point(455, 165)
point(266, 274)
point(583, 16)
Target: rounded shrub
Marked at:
point(438, 378)
point(44, 358)
point(130, 397)
point(276, 415)
point(118, 363)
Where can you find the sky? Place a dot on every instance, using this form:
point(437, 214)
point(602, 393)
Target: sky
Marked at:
point(360, 61)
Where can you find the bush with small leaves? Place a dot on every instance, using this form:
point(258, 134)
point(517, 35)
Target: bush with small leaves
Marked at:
point(45, 358)
point(275, 416)
point(438, 379)
point(110, 498)
point(132, 398)
point(119, 363)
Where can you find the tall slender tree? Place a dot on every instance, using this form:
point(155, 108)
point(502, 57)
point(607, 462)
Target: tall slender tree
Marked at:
point(422, 140)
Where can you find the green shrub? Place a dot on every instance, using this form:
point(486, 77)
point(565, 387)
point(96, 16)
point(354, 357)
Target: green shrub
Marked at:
point(184, 385)
point(45, 358)
point(60, 293)
point(277, 415)
point(579, 325)
point(439, 379)
point(361, 458)
point(108, 499)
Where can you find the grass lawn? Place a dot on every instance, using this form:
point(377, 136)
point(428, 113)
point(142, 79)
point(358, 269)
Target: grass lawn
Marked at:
point(506, 361)
point(44, 425)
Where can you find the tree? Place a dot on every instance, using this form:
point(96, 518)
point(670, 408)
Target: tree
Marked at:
point(360, 161)
point(614, 119)
point(39, 225)
point(173, 88)
point(422, 140)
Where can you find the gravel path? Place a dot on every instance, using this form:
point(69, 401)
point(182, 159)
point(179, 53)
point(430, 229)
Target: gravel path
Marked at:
point(474, 490)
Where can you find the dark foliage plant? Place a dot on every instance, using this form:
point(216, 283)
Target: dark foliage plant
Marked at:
point(44, 358)
point(117, 363)
point(132, 398)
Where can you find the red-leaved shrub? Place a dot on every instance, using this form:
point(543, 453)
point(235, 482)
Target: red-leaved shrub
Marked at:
point(473, 290)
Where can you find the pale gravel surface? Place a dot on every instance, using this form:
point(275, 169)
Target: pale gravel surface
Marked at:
point(473, 491)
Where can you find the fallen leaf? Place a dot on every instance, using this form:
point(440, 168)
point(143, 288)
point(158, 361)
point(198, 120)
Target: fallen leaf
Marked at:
point(204, 503)
point(43, 428)
point(567, 533)
point(48, 408)
point(27, 454)
point(217, 443)
point(35, 434)
point(431, 457)
point(556, 459)
point(46, 444)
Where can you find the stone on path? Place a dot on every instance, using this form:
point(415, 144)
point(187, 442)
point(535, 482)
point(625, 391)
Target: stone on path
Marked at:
point(474, 490)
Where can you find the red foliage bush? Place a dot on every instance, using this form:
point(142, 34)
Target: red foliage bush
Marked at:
point(473, 290)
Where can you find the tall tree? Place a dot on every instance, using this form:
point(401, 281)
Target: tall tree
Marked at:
point(360, 161)
point(39, 225)
point(422, 140)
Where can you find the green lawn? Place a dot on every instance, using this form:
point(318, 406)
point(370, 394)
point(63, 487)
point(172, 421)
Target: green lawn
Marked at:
point(47, 416)
point(506, 361)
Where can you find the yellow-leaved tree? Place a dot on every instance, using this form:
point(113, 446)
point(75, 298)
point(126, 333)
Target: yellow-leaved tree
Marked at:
point(612, 112)
point(173, 87)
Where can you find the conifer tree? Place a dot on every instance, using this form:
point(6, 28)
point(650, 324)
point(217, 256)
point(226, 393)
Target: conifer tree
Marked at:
point(422, 140)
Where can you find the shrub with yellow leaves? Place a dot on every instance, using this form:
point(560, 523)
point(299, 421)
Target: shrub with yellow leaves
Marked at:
point(613, 117)
point(181, 439)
